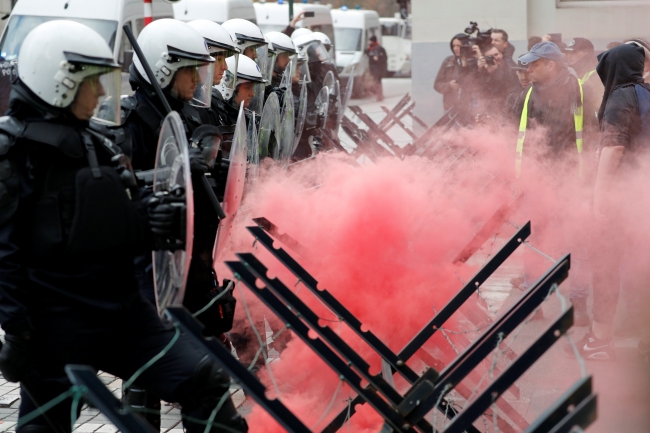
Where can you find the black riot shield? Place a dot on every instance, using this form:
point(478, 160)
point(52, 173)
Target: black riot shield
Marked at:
point(287, 135)
point(302, 115)
point(234, 184)
point(269, 131)
point(172, 184)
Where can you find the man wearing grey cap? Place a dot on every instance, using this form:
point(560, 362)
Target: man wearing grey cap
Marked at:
point(553, 101)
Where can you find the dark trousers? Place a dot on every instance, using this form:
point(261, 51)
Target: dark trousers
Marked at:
point(376, 88)
point(118, 343)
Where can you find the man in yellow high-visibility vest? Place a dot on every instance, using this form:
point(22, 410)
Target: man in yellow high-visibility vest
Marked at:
point(581, 57)
point(554, 101)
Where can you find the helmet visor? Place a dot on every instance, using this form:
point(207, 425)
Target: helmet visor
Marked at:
point(317, 52)
point(193, 83)
point(270, 65)
point(228, 84)
point(262, 59)
point(303, 71)
point(221, 68)
point(102, 88)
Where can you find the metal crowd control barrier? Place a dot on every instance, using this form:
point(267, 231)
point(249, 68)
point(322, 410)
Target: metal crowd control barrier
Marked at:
point(401, 413)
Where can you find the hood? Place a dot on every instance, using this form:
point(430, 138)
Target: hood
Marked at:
point(618, 67)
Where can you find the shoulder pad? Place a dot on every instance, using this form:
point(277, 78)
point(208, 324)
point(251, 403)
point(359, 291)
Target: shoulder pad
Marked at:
point(128, 104)
point(64, 138)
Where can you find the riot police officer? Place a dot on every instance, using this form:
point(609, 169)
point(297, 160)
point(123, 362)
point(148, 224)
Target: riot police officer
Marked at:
point(70, 224)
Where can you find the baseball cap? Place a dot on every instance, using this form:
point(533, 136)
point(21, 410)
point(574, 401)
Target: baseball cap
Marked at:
point(580, 44)
point(520, 66)
point(543, 50)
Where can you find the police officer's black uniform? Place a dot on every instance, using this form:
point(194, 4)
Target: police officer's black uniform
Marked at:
point(68, 236)
point(142, 118)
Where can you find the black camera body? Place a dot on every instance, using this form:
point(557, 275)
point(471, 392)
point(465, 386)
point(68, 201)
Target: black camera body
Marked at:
point(490, 60)
point(482, 39)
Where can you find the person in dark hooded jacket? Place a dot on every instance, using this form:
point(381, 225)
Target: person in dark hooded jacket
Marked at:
point(625, 131)
point(453, 73)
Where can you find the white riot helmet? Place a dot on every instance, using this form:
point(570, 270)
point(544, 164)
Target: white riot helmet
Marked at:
point(220, 44)
point(58, 57)
point(169, 46)
point(324, 39)
point(300, 32)
point(246, 35)
point(284, 46)
point(238, 73)
point(313, 48)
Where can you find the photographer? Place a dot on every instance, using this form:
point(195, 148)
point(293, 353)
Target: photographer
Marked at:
point(496, 80)
point(453, 72)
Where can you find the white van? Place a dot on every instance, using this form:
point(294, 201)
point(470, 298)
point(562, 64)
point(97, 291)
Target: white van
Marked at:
point(353, 28)
point(396, 40)
point(218, 11)
point(106, 17)
point(274, 17)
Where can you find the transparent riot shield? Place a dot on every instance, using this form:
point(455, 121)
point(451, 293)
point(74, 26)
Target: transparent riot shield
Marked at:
point(234, 185)
point(329, 82)
point(322, 105)
point(257, 103)
point(301, 117)
point(269, 131)
point(172, 185)
point(287, 135)
point(287, 75)
point(337, 109)
point(253, 148)
point(345, 97)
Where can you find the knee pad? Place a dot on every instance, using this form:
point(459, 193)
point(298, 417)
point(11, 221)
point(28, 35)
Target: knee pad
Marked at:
point(210, 382)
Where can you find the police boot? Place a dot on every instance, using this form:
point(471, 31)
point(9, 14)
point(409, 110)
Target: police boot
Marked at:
point(144, 403)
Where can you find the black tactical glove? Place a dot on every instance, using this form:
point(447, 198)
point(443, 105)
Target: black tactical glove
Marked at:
point(162, 219)
point(14, 356)
point(198, 164)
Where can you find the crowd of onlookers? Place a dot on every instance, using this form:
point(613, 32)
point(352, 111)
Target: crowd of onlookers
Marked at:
point(588, 103)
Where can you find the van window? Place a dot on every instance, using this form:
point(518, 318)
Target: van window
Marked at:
point(20, 25)
point(390, 29)
point(348, 39)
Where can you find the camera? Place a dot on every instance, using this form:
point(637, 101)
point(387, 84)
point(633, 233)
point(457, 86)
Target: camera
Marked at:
point(490, 60)
point(482, 39)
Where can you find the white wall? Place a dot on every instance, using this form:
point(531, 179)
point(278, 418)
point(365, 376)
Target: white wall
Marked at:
point(439, 20)
point(601, 24)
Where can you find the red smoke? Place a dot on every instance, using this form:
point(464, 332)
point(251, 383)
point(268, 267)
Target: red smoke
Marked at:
point(381, 238)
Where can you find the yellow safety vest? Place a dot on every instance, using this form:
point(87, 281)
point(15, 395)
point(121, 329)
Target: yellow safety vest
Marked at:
point(586, 77)
point(578, 118)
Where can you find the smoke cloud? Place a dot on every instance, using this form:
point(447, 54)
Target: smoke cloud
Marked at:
point(381, 238)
